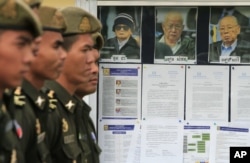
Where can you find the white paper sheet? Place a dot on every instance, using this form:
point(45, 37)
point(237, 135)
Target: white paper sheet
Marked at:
point(163, 91)
point(240, 94)
point(162, 141)
point(196, 143)
point(207, 93)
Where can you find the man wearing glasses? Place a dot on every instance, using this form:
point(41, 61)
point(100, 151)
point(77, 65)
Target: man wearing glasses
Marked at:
point(123, 43)
point(230, 44)
point(173, 29)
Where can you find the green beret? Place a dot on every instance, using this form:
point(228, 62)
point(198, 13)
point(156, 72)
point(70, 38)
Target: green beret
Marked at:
point(32, 3)
point(2, 2)
point(98, 39)
point(79, 21)
point(51, 19)
point(16, 15)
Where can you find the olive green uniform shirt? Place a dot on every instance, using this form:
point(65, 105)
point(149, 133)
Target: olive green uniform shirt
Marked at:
point(63, 128)
point(87, 131)
point(31, 114)
point(10, 150)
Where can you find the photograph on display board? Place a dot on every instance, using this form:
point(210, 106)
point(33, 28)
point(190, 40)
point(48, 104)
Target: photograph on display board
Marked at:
point(122, 33)
point(229, 35)
point(175, 35)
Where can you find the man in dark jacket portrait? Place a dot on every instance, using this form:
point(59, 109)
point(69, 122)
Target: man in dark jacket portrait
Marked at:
point(123, 43)
point(230, 44)
point(174, 39)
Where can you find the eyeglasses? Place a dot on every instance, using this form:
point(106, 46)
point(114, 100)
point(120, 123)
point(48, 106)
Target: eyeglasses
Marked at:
point(119, 27)
point(172, 26)
point(228, 28)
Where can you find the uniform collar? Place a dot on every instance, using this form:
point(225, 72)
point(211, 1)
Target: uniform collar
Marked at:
point(35, 95)
point(68, 101)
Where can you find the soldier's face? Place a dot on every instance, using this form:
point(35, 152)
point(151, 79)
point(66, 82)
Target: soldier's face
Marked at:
point(77, 64)
point(122, 31)
point(15, 57)
point(50, 56)
point(91, 85)
point(229, 30)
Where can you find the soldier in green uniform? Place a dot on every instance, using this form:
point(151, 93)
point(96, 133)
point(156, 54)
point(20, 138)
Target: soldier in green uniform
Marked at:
point(88, 131)
point(66, 141)
point(47, 64)
point(18, 28)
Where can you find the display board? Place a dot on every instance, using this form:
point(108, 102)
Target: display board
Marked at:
point(177, 85)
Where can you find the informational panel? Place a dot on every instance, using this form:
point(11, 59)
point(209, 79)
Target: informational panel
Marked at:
point(120, 91)
point(119, 111)
point(182, 100)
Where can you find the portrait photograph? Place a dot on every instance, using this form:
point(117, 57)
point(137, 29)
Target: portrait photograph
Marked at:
point(175, 35)
point(122, 33)
point(229, 35)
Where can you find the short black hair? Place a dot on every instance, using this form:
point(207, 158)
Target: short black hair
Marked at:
point(69, 40)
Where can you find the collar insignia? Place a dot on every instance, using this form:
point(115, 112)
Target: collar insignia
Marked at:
point(51, 94)
point(52, 103)
point(69, 105)
point(18, 91)
point(19, 100)
point(52, 100)
point(39, 101)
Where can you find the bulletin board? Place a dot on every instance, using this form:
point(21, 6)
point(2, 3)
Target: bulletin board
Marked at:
point(171, 106)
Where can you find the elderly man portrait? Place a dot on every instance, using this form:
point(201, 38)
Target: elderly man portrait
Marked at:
point(174, 37)
point(230, 44)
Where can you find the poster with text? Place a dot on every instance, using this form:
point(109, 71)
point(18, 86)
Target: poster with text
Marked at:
point(119, 95)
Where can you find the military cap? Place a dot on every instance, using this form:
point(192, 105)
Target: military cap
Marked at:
point(33, 3)
point(98, 39)
point(79, 21)
point(16, 15)
point(51, 19)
